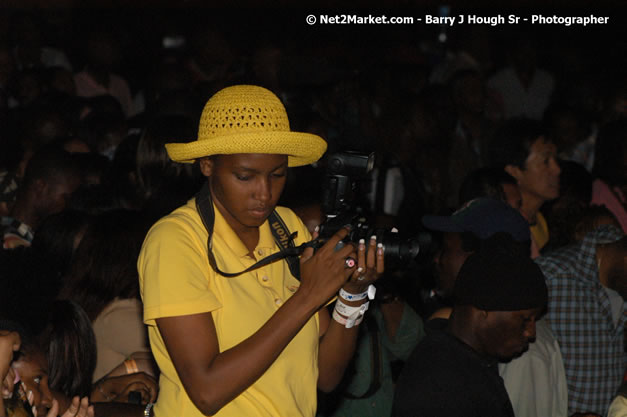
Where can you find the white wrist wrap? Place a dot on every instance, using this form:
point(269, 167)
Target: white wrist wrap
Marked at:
point(347, 310)
point(370, 293)
point(354, 318)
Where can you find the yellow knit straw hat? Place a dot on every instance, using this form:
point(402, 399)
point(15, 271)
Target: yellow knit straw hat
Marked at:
point(248, 119)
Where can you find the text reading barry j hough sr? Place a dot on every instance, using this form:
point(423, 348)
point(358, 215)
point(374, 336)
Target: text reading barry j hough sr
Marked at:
point(473, 19)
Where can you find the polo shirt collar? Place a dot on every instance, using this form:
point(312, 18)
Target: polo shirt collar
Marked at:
point(222, 228)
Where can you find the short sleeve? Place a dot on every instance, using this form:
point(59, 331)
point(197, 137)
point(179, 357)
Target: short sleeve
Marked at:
point(174, 271)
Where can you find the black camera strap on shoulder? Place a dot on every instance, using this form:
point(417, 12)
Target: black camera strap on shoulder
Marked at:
point(287, 249)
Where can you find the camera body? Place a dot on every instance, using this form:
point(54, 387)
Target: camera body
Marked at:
point(345, 172)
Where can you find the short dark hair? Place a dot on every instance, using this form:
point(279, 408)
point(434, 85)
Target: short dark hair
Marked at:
point(50, 163)
point(512, 142)
point(485, 182)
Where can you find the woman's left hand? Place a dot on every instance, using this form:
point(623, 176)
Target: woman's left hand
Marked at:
point(370, 266)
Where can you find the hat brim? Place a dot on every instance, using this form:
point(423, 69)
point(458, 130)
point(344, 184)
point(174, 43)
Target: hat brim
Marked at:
point(442, 224)
point(301, 148)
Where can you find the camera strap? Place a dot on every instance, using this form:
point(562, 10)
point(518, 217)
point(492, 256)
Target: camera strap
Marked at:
point(287, 249)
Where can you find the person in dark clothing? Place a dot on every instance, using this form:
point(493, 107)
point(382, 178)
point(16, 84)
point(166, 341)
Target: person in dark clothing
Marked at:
point(499, 295)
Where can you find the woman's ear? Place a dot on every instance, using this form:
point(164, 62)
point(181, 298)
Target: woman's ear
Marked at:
point(206, 165)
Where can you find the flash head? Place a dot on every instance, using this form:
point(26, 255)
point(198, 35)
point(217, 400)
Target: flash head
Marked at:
point(349, 163)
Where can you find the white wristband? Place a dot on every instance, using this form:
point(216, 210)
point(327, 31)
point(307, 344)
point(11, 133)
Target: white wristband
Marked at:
point(347, 322)
point(347, 310)
point(370, 293)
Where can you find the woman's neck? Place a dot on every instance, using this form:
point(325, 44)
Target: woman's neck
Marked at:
point(249, 235)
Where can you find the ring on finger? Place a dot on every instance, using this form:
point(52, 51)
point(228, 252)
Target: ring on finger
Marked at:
point(349, 262)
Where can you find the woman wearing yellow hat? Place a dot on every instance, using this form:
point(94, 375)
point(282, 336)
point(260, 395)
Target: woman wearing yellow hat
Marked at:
point(258, 342)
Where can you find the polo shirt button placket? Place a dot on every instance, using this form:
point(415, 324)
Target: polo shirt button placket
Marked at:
point(278, 301)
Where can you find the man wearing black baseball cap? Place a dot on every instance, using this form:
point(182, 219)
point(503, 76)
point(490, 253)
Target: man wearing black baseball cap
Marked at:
point(498, 296)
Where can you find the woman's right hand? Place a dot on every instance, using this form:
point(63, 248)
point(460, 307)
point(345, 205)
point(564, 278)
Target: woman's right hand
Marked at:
point(325, 271)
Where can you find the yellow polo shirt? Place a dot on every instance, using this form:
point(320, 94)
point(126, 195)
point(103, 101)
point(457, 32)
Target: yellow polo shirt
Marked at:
point(540, 231)
point(176, 279)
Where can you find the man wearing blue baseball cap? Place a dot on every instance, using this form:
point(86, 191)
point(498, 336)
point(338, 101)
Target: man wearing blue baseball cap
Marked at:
point(463, 232)
point(535, 381)
point(498, 296)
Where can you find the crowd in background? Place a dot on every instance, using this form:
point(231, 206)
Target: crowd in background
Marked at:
point(89, 98)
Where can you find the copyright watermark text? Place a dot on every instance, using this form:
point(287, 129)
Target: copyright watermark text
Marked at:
point(467, 19)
